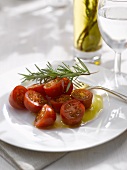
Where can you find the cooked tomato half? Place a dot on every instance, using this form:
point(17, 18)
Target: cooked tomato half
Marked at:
point(57, 102)
point(45, 118)
point(68, 86)
point(83, 95)
point(72, 112)
point(54, 87)
point(34, 101)
point(16, 98)
point(38, 88)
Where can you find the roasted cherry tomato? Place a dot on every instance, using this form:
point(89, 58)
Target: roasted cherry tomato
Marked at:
point(57, 102)
point(34, 101)
point(72, 112)
point(38, 88)
point(16, 98)
point(66, 83)
point(54, 87)
point(83, 95)
point(45, 118)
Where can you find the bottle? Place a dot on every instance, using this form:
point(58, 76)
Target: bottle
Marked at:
point(87, 37)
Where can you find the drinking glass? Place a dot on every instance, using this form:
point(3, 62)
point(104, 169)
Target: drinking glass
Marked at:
point(112, 22)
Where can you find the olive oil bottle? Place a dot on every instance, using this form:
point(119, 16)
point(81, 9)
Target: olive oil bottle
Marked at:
point(87, 37)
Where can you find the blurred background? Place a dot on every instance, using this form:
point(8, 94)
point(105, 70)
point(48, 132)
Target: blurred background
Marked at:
point(34, 30)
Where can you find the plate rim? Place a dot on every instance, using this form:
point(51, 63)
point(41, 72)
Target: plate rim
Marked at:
point(57, 150)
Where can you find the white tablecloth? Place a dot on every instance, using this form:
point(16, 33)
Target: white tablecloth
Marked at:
point(41, 35)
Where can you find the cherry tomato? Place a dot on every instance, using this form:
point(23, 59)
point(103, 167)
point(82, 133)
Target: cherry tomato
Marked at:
point(57, 102)
point(83, 95)
point(66, 83)
point(54, 87)
point(16, 98)
point(72, 112)
point(34, 101)
point(38, 88)
point(45, 118)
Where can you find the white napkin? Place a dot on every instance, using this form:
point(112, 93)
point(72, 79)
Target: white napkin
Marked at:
point(22, 159)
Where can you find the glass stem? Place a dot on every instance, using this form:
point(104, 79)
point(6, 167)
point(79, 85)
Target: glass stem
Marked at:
point(117, 68)
point(117, 64)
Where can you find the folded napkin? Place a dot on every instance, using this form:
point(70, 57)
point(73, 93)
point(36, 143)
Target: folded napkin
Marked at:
point(22, 159)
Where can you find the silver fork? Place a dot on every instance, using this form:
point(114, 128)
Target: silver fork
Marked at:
point(79, 84)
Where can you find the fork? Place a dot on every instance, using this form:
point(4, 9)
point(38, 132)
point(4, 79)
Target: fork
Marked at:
point(79, 84)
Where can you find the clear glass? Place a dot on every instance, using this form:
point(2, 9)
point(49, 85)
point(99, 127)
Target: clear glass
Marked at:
point(112, 22)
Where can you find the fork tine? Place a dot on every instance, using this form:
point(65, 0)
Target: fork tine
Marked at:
point(79, 84)
point(76, 85)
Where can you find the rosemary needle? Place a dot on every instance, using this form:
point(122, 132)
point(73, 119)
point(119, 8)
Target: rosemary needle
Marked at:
point(49, 73)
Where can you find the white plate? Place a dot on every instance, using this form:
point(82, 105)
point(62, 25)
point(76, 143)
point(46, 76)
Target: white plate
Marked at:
point(16, 126)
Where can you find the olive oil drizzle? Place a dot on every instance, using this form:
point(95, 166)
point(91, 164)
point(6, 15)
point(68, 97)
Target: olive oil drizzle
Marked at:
point(94, 110)
point(89, 115)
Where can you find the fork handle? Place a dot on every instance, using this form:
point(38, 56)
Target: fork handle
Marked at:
point(123, 97)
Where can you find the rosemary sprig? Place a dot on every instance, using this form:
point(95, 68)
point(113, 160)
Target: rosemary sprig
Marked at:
point(49, 73)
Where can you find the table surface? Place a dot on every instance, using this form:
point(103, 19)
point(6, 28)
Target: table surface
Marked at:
point(30, 35)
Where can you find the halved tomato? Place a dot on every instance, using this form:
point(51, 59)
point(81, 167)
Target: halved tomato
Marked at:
point(16, 97)
point(68, 86)
point(45, 118)
point(58, 101)
point(54, 87)
point(84, 96)
point(72, 112)
point(34, 101)
point(38, 88)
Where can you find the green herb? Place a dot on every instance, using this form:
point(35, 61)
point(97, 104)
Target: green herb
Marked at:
point(49, 73)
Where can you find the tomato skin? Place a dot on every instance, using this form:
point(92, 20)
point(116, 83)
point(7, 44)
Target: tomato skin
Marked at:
point(72, 112)
point(58, 101)
point(54, 87)
point(38, 88)
point(45, 118)
point(84, 96)
point(16, 97)
point(34, 101)
point(66, 82)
